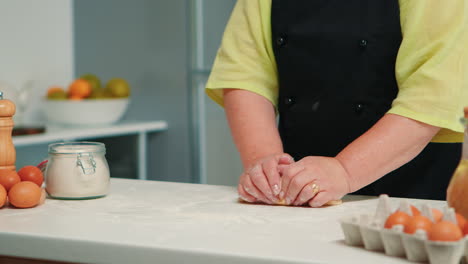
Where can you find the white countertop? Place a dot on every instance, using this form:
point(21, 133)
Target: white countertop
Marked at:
point(163, 222)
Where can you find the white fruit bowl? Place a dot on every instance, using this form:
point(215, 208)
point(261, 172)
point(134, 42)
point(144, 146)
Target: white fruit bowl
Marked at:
point(90, 112)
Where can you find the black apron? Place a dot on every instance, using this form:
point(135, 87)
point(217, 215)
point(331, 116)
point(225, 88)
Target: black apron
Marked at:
point(336, 70)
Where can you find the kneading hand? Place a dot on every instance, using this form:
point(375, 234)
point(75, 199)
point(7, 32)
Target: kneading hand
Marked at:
point(313, 180)
point(261, 182)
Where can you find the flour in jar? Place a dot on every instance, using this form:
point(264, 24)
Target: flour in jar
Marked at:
point(77, 170)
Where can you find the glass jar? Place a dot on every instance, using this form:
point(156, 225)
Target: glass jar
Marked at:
point(458, 186)
point(77, 170)
point(463, 165)
point(464, 121)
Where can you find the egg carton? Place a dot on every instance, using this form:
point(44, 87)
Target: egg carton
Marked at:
point(367, 230)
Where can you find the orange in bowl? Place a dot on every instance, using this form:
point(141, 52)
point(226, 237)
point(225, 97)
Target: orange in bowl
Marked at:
point(79, 89)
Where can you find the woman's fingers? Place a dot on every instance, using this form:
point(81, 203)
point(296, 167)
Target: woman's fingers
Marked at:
point(263, 180)
point(320, 199)
point(259, 179)
point(244, 196)
point(251, 188)
point(288, 174)
point(329, 177)
point(270, 169)
point(308, 192)
point(285, 159)
point(296, 184)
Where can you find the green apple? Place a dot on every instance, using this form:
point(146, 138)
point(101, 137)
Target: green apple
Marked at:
point(117, 87)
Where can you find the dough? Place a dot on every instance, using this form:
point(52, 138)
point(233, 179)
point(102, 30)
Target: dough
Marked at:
point(283, 202)
point(333, 202)
point(329, 203)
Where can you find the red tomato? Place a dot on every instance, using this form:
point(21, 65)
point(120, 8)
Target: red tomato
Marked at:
point(8, 178)
point(31, 173)
point(397, 218)
point(418, 222)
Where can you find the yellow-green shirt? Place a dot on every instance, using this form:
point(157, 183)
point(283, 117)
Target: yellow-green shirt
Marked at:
point(431, 66)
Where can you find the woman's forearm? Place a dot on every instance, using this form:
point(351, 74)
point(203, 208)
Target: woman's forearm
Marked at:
point(252, 121)
point(393, 141)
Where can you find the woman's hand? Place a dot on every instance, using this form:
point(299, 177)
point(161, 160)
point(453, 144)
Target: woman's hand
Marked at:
point(261, 182)
point(313, 180)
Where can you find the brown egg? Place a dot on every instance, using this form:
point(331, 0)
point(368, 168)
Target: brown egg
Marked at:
point(24, 194)
point(3, 196)
point(397, 218)
point(8, 178)
point(415, 211)
point(465, 230)
point(461, 221)
point(438, 215)
point(418, 222)
point(445, 231)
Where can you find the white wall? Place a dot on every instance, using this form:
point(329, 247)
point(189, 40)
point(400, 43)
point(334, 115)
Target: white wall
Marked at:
point(144, 42)
point(36, 43)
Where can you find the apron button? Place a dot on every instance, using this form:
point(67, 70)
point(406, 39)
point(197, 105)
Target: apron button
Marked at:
point(363, 43)
point(359, 108)
point(281, 41)
point(288, 101)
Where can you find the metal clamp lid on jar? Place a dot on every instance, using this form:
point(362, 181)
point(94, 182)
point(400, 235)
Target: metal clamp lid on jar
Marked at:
point(84, 152)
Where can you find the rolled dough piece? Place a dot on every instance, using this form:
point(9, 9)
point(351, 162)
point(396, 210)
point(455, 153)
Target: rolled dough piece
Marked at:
point(329, 203)
point(333, 202)
point(283, 202)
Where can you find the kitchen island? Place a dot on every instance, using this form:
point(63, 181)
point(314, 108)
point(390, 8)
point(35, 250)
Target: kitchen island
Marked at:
point(164, 222)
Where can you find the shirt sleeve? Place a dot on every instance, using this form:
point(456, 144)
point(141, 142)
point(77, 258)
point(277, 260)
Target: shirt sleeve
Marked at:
point(432, 65)
point(245, 59)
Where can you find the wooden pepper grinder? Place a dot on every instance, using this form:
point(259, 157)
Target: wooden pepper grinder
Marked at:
point(7, 149)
